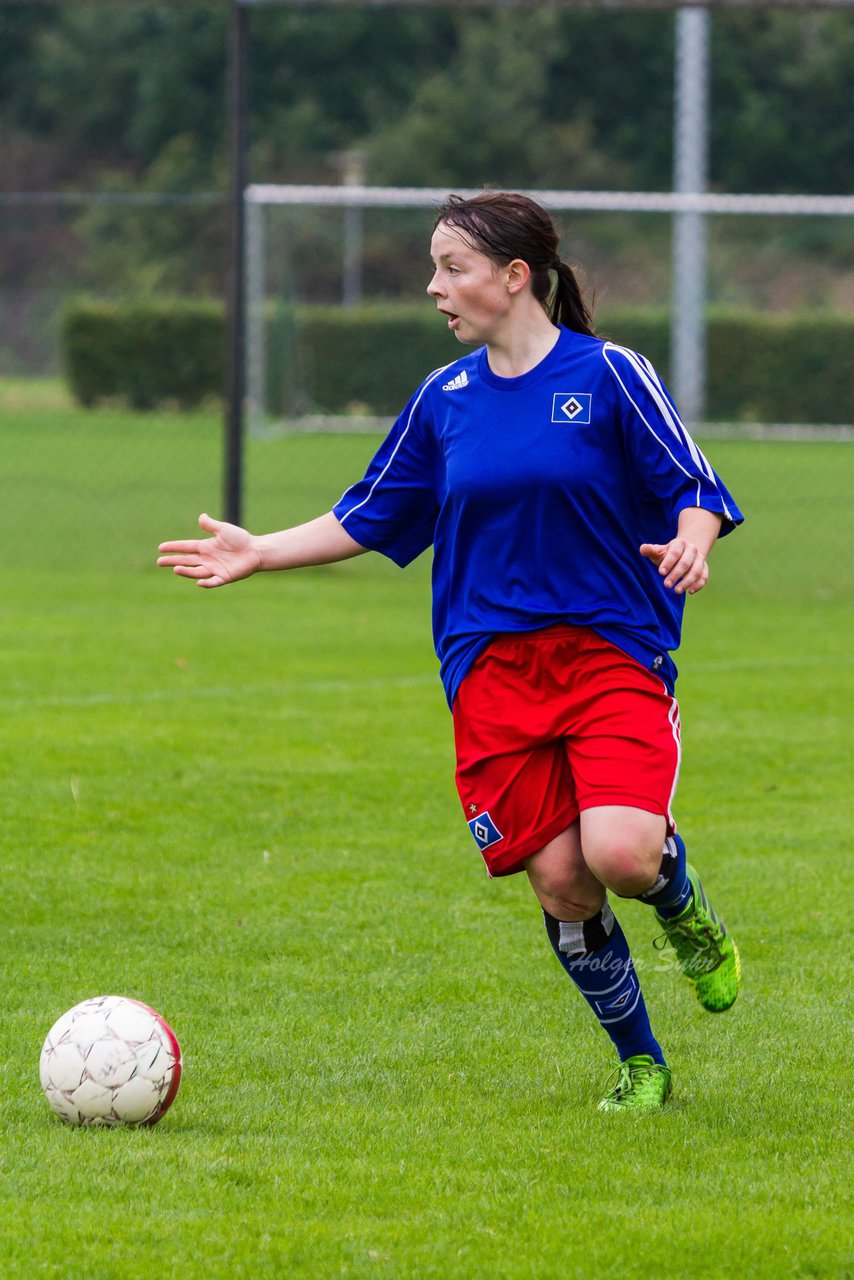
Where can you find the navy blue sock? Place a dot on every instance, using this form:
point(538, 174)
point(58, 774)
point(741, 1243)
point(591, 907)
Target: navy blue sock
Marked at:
point(671, 892)
point(596, 956)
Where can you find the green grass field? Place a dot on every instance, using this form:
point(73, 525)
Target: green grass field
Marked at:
point(238, 806)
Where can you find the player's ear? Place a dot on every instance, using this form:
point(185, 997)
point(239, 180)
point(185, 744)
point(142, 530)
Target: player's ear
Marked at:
point(516, 275)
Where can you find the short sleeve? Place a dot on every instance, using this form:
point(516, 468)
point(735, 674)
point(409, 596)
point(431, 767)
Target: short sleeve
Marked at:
point(667, 465)
point(394, 508)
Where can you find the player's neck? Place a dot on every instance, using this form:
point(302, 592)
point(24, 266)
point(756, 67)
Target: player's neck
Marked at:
point(523, 346)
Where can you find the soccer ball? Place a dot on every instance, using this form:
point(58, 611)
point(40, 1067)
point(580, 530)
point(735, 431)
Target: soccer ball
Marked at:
point(109, 1061)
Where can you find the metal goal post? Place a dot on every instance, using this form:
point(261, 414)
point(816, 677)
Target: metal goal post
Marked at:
point(688, 297)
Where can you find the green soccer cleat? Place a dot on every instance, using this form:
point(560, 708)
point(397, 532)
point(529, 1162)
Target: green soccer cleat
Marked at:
point(642, 1085)
point(707, 954)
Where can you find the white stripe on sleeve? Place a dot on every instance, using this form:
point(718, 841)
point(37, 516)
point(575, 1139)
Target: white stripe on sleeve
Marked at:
point(433, 376)
point(669, 416)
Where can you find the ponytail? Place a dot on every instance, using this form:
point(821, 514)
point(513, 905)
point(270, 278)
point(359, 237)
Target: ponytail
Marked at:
point(567, 305)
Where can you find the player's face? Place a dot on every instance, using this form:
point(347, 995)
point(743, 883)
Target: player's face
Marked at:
point(467, 287)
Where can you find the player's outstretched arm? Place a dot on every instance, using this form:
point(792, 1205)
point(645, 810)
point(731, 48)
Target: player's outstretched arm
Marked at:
point(232, 553)
point(683, 562)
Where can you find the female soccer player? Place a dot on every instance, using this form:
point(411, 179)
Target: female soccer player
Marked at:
point(570, 514)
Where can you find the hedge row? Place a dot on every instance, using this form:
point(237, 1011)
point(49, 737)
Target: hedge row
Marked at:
point(143, 353)
point(771, 368)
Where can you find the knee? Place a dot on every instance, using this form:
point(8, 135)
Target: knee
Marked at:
point(571, 897)
point(565, 886)
point(626, 862)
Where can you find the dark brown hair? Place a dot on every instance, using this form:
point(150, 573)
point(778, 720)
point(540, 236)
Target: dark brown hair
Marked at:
point(505, 225)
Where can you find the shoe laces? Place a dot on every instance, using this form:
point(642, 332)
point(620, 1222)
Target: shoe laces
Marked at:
point(700, 935)
point(628, 1075)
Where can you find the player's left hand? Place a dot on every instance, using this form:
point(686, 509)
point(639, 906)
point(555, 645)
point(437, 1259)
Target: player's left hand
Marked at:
point(682, 565)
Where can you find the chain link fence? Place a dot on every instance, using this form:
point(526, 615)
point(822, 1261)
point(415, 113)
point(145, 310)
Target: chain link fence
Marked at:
point(795, 469)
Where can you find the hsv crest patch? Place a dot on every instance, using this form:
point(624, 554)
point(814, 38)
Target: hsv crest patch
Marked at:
point(484, 831)
point(572, 406)
point(620, 1003)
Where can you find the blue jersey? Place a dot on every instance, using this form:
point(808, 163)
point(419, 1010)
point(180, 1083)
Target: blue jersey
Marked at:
point(536, 493)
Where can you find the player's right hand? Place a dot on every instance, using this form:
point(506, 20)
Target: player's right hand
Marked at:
point(228, 556)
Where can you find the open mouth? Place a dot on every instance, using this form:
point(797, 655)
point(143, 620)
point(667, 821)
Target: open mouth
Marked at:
point(453, 320)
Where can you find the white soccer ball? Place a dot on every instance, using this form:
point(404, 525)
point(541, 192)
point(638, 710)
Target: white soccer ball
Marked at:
point(109, 1061)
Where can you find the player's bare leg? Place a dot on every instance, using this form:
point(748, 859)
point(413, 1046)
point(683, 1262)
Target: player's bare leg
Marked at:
point(564, 884)
point(622, 846)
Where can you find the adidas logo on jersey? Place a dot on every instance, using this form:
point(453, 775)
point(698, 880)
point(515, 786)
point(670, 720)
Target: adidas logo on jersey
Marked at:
point(461, 380)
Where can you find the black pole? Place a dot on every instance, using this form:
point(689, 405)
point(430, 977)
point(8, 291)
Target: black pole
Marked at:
point(235, 365)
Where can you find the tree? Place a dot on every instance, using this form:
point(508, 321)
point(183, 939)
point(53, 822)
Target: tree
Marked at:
point(782, 118)
point(483, 118)
point(132, 97)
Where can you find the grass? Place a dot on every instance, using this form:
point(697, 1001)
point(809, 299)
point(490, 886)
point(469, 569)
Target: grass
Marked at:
point(238, 806)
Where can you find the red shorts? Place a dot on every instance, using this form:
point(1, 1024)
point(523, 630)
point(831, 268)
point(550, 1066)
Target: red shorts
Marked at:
point(548, 723)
